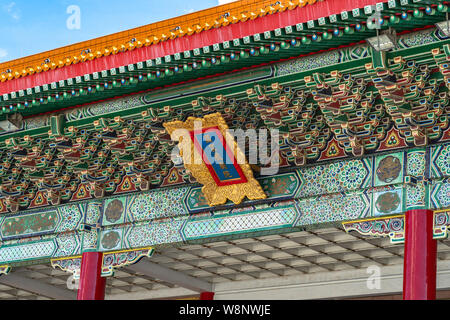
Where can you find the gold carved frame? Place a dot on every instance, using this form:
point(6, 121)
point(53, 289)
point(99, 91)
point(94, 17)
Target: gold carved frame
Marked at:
point(215, 195)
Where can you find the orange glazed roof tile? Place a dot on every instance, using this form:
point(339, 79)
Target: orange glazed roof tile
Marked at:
point(148, 35)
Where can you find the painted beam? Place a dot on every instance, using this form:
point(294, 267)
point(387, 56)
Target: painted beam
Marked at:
point(165, 274)
point(37, 287)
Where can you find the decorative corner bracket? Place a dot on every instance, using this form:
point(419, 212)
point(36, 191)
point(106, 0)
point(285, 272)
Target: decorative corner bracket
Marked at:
point(111, 261)
point(5, 269)
point(69, 264)
point(392, 227)
point(118, 259)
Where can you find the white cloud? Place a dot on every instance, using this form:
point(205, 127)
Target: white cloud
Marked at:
point(12, 10)
point(226, 1)
point(3, 53)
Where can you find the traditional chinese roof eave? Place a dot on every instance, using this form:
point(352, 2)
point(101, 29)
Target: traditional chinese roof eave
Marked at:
point(98, 148)
point(167, 63)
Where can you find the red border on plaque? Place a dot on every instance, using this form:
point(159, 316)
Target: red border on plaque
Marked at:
point(242, 177)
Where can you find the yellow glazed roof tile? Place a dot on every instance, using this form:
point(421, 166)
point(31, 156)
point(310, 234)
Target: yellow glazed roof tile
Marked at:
point(185, 25)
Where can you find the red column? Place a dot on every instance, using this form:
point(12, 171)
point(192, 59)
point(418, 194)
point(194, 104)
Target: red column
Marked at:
point(207, 296)
point(92, 284)
point(419, 269)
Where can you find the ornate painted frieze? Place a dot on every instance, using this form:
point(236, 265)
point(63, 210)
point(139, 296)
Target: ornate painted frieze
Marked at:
point(142, 234)
point(417, 184)
point(332, 208)
point(111, 261)
point(364, 188)
point(322, 114)
point(69, 264)
point(336, 177)
point(392, 227)
point(29, 251)
point(279, 187)
point(440, 161)
point(41, 222)
point(157, 204)
point(239, 222)
point(114, 260)
point(440, 194)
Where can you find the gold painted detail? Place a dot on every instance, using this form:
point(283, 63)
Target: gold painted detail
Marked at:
point(392, 227)
point(5, 269)
point(215, 194)
point(69, 264)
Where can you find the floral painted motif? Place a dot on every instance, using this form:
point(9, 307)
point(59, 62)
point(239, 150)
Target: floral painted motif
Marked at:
point(440, 195)
point(336, 177)
point(150, 234)
point(443, 161)
point(332, 208)
point(157, 204)
point(416, 196)
point(68, 244)
point(416, 164)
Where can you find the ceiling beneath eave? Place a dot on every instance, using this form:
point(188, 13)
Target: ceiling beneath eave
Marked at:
point(315, 258)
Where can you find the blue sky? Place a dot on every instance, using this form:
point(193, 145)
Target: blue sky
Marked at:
point(29, 26)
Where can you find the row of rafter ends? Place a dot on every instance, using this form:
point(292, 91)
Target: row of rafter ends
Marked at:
point(252, 49)
point(53, 62)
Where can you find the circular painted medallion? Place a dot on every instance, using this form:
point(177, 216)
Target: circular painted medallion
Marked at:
point(114, 211)
point(388, 202)
point(111, 240)
point(389, 169)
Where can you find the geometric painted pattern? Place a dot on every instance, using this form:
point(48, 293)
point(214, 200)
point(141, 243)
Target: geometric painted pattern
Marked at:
point(153, 233)
point(335, 177)
point(416, 163)
point(281, 186)
point(440, 194)
point(239, 222)
point(43, 249)
point(417, 196)
point(440, 161)
point(45, 221)
point(307, 197)
point(392, 227)
point(333, 208)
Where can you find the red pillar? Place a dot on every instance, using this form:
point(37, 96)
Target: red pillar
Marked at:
point(207, 296)
point(92, 284)
point(419, 269)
